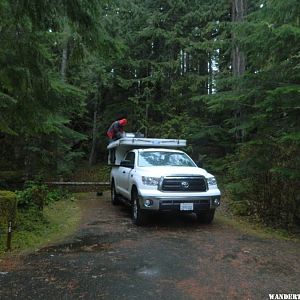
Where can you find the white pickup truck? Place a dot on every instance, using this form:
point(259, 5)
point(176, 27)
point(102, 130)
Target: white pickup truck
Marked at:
point(150, 175)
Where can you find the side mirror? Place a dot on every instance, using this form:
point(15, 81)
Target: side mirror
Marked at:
point(126, 164)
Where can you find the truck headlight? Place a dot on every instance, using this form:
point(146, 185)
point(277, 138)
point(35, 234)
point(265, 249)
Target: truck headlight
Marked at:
point(211, 181)
point(150, 180)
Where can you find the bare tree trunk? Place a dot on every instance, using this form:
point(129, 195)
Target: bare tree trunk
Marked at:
point(238, 57)
point(63, 74)
point(146, 117)
point(92, 158)
point(180, 62)
point(94, 141)
point(210, 74)
point(29, 158)
point(64, 62)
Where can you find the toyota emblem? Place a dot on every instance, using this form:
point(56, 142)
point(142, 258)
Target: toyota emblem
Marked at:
point(185, 184)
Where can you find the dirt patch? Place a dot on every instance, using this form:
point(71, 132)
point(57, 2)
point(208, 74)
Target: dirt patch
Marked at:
point(9, 263)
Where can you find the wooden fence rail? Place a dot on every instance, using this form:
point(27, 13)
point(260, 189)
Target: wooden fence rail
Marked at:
point(84, 186)
point(76, 183)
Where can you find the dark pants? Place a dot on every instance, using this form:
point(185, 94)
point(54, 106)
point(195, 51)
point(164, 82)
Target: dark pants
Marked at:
point(117, 136)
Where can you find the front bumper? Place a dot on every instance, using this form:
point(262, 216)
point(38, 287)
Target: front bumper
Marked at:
point(172, 203)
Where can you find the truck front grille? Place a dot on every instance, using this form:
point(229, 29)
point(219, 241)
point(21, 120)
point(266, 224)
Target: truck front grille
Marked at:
point(184, 184)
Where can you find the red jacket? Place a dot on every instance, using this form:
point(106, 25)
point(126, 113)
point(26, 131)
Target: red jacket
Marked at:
point(116, 129)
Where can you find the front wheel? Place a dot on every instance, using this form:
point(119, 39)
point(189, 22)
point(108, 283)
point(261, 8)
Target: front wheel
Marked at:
point(114, 195)
point(139, 217)
point(206, 217)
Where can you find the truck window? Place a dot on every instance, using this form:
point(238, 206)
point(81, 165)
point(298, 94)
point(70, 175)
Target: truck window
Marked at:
point(163, 158)
point(130, 156)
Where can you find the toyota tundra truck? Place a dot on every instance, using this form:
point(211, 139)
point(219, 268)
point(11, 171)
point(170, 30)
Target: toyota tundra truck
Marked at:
point(152, 175)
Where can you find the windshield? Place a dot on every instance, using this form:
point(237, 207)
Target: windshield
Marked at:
point(163, 158)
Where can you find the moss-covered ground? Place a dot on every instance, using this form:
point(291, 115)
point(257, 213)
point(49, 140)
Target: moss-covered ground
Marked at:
point(36, 229)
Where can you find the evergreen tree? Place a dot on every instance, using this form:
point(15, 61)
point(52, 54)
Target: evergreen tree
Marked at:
point(38, 98)
point(266, 165)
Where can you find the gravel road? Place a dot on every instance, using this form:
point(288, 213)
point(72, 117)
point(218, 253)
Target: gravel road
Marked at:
point(174, 257)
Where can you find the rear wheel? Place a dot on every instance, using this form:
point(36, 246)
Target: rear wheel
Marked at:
point(206, 217)
point(114, 196)
point(139, 217)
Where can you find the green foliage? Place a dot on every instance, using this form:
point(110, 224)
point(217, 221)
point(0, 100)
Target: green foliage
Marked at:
point(8, 207)
point(252, 119)
point(28, 211)
point(10, 177)
point(54, 195)
point(36, 195)
point(33, 195)
point(34, 228)
point(98, 172)
point(39, 99)
point(240, 208)
point(264, 184)
point(30, 219)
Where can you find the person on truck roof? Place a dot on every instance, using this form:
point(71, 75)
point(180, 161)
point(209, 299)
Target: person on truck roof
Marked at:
point(116, 130)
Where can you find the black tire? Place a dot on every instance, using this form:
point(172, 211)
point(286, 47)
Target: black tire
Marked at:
point(138, 216)
point(114, 196)
point(206, 217)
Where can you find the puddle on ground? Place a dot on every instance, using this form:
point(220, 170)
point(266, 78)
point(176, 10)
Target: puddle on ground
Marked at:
point(250, 238)
point(99, 222)
point(148, 272)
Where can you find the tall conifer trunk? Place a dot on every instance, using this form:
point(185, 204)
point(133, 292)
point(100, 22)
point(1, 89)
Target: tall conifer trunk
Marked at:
point(65, 50)
point(92, 158)
point(239, 9)
point(210, 74)
point(64, 62)
point(238, 57)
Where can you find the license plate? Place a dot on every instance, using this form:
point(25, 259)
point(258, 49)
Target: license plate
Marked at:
point(186, 206)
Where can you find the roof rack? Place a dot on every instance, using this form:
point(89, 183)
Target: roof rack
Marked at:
point(119, 148)
point(147, 142)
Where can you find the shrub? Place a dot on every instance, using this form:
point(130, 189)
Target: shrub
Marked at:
point(33, 195)
point(55, 195)
point(37, 195)
point(265, 184)
point(8, 206)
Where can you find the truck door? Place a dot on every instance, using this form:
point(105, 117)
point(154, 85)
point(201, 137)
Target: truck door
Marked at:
point(124, 175)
